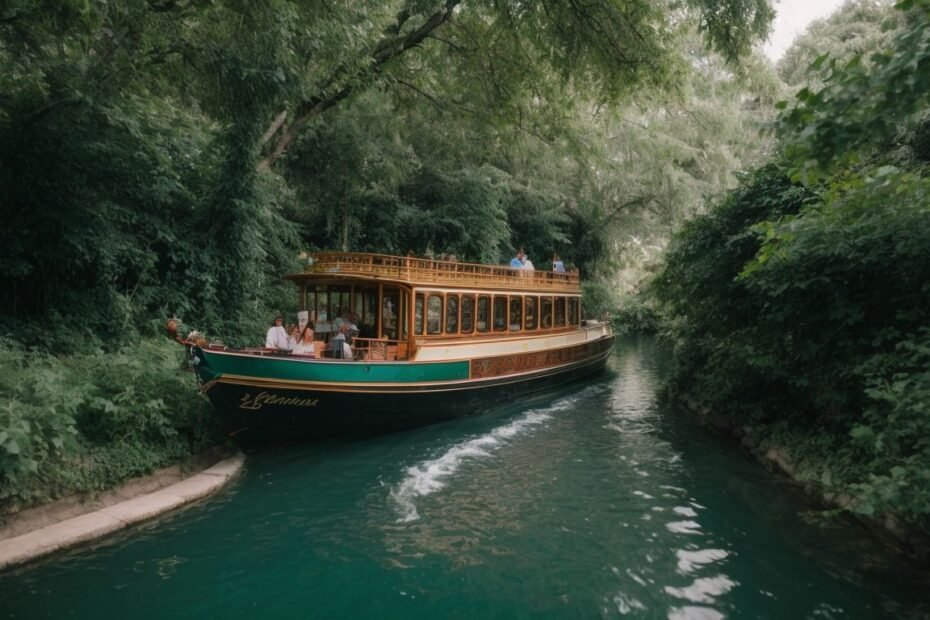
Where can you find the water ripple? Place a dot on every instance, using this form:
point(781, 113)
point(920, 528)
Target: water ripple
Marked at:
point(431, 475)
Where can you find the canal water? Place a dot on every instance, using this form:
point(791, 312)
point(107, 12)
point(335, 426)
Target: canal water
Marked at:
point(597, 501)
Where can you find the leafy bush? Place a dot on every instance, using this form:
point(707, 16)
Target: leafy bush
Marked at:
point(87, 421)
point(600, 300)
point(812, 314)
point(37, 428)
point(636, 313)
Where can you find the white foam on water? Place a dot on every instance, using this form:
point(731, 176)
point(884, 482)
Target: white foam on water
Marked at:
point(627, 604)
point(431, 476)
point(684, 527)
point(694, 612)
point(703, 590)
point(689, 560)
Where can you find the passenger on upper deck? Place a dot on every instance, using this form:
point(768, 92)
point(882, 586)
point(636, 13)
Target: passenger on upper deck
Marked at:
point(352, 322)
point(557, 265)
point(276, 338)
point(528, 264)
point(517, 261)
point(338, 347)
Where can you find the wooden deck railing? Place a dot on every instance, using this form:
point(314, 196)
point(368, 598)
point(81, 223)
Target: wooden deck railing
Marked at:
point(424, 271)
point(376, 349)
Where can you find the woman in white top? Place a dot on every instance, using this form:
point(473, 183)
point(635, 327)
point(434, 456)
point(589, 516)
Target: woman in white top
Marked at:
point(276, 338)
point(304, 342)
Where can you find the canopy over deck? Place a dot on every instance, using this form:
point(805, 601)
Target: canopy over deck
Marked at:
point(440, 273)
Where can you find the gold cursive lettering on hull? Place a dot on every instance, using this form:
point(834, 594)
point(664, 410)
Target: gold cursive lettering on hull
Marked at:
point(257, 401)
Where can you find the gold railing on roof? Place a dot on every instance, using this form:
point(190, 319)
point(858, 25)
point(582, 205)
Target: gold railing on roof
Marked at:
point(425, 271)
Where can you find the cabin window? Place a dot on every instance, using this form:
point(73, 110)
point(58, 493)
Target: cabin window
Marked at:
point(390, 311)
point(434, 315)
point(545, 303)
point(532, 304)
point(500, 313)
point(483, 323)
point(573, 310)
point(318, 303)
point(560, 312)
point(468, 314)
point(452, 314)
point(402, 315)
point(310, 301)
point(516, 313)
point(333, 301)
point(418, 314)
point(368, 313)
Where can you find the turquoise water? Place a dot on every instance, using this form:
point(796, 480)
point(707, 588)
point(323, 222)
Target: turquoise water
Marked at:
point(595, 502)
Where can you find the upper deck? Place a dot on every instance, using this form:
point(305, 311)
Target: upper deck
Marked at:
point(424, 272)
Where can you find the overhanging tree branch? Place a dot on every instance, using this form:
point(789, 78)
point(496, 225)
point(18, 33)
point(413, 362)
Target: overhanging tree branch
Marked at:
point(388, 48)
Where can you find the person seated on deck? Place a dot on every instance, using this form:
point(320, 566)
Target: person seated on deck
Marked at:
point(528, 264)
point(293, 334)
point(517, 261)
point(352, 322)
point(276, 338)
point(557, 265)
point(338, 347)
point(304, 342)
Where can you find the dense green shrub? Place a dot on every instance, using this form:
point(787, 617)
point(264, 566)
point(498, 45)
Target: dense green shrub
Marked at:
point(85, 422)
point(37, 428)
point(802, 311)
point(636, 313)
point(807, 318)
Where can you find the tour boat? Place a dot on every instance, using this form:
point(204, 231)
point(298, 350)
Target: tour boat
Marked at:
point(436, 339)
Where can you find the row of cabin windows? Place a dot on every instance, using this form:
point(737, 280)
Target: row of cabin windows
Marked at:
point(453, 313)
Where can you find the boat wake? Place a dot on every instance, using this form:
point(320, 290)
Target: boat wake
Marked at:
point(429, 476)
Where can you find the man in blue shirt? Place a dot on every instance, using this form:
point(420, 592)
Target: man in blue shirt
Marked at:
point(517, 261)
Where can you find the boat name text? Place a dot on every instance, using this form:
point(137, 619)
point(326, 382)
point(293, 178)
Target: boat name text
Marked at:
point(257, 401)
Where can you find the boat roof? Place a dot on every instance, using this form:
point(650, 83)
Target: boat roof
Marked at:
point(426, 272)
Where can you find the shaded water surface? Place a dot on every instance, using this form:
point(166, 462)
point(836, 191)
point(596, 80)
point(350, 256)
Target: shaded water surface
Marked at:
point(595, 502)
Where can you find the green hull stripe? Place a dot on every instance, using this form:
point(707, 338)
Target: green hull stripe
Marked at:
point(335, 372)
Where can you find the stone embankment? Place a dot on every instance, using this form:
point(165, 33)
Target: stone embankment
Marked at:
point(37, 532)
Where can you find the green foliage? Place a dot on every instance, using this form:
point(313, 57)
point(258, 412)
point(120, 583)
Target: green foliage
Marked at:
point(861, 104)
point(600, 300)
point(857, 29)
point(801, 310)
point(136, 180)
point(87, 421)
point(892, 433)
point(637, 314)
point(37, 426)
point(732, 27)
point(814, 316)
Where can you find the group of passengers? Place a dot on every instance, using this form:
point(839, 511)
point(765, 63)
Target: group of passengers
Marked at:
point(301, 341)
point(522, 261)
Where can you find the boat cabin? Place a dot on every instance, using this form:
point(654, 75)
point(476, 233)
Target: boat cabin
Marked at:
point(402, 303)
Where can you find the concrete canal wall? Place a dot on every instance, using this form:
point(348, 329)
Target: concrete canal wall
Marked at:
point(41, 532)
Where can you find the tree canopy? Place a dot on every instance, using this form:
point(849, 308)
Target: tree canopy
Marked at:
point(137, 133)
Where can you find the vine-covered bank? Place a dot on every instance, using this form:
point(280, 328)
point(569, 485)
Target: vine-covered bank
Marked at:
point(800, 304)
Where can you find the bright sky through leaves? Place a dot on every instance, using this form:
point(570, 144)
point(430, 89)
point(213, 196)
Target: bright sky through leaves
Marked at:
point(792, 17)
